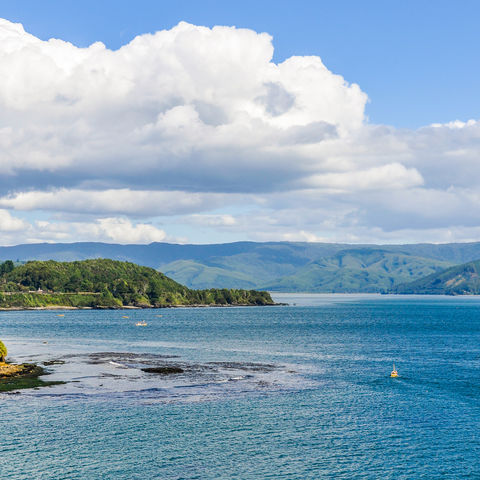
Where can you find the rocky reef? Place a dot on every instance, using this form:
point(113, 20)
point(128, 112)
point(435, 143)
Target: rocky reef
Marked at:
point(26, 375)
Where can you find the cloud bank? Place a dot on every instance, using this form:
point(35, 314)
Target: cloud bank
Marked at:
point(196, 128)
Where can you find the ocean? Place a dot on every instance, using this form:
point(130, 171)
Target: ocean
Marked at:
point(286, 392)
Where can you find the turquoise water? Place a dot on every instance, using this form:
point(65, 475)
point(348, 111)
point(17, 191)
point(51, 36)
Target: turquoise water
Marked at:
point(297, 392)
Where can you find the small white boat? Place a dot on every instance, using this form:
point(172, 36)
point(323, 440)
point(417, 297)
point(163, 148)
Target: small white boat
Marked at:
point(143, 323)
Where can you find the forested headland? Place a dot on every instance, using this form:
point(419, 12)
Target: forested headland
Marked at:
point(103, 283)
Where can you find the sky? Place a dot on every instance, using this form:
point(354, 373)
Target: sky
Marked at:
point(211, 121)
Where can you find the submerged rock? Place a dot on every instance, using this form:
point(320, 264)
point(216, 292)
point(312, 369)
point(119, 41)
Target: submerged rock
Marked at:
point(48, 363)
point(164, 370)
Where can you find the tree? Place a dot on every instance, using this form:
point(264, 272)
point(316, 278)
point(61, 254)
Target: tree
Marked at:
point(6, 267)
point(3, 351)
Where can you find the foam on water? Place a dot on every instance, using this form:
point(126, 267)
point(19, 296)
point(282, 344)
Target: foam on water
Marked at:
point(96, 374)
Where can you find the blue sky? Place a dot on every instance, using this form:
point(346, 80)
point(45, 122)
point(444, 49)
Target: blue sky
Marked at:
point(212, 121)
point(417, 60)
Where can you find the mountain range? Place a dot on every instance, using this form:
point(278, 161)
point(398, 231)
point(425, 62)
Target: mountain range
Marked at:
point(276, 266)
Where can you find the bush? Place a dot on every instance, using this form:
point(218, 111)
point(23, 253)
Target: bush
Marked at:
point(3, 351)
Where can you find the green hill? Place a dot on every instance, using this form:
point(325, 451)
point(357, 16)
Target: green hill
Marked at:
point(196, 275)
point(458, 280)
point(103, 283)
point(357, 271)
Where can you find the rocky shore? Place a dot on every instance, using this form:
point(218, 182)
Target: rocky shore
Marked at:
point(20, 376)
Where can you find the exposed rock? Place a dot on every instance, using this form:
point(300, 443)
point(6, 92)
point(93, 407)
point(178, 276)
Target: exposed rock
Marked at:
point(8, 370)
point(48, 363)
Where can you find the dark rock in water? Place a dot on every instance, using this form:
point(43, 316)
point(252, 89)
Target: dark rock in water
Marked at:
point(166, 370)
point(48, 363)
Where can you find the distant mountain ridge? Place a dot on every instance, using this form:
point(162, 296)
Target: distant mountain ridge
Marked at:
point(278, 266)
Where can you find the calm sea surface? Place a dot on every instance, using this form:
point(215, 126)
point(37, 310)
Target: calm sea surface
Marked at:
point(297, 392)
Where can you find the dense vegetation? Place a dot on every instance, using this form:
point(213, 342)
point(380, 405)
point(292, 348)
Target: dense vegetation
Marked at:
point(459, 280)
point(102, 283)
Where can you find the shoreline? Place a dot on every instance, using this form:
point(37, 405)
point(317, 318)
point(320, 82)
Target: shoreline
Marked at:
point(130, 307)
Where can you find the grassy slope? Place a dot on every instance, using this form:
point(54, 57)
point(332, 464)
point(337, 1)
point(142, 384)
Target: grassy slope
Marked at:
point(458, 280)
point(196, 275)
point(357, 271)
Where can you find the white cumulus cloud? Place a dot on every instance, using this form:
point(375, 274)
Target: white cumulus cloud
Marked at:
point(8, 223)
point(185, 108)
